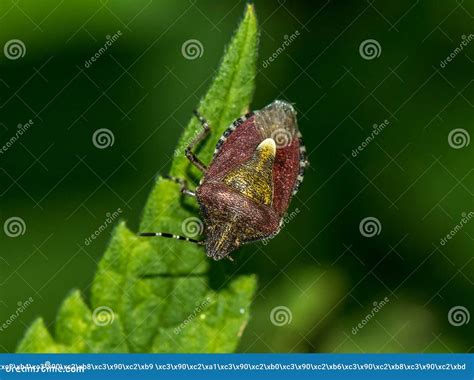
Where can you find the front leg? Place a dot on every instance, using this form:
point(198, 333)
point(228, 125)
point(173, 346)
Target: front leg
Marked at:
point(201, 136)
point(183, 184)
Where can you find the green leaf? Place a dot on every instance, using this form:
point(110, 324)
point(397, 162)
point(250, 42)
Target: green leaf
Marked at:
point(153, 295)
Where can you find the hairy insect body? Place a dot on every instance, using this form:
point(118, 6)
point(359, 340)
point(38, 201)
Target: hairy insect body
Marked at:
point(258, 165)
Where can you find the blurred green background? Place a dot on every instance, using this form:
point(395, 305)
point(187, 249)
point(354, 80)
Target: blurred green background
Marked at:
point(320, 266)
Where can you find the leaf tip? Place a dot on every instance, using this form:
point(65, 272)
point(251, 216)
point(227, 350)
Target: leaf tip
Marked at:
point(250, 15)
point(250, 9)
point(36, 339)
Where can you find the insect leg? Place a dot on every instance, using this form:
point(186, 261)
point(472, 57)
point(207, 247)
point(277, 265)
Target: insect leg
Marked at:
point(201, 136)
point(183, 185)
point(171, 236)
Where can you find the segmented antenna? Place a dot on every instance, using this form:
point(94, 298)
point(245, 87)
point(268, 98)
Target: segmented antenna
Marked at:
point(171, 236)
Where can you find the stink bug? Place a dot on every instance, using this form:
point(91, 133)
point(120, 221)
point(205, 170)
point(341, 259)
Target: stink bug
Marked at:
point(258, 165)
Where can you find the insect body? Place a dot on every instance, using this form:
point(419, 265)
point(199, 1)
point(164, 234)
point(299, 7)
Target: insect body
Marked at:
point(257, 167)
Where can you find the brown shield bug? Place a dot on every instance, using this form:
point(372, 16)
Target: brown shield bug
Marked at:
point(257, 167)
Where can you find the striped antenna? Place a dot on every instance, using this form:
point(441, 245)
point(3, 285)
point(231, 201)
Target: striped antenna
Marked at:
point(171, 236)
